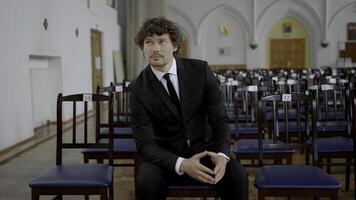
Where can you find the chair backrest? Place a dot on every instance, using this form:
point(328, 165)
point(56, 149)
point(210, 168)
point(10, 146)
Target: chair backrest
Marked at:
point(101, 123)
point(333, 105)
point(228, 87)
point(82, 139)
point(121, 103)
point(354, 132)
point(301, 103)
point(290, 86)
point(246, 101)
point(246, 105)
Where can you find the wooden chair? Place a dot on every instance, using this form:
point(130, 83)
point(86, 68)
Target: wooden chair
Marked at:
point(245, 107)
point(122, 108)
point(77, 179)
point(292, 180)
point(124, 146)
point(122, 127)
point(228, 87)
point(296, 128)
point(354, 135)
point(246, 145)
point(334, 127)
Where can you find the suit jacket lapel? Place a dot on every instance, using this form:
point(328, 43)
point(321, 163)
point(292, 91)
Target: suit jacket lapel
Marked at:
point(162, 93)
point(183, 87)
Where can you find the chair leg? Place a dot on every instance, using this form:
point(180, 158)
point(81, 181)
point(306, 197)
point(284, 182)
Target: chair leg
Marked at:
point(111, 192)
point(86, 197)
point(307, 157)
point(328, 165)
point(335, 195)
point(289, 160)
point(260, 196)
point(104, 196)
point(354, 177)
point(347, 174)
point(85, 158)
point(34, 195)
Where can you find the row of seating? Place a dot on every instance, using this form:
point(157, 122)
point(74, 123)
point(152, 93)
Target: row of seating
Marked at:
point(113, 132)
point(283, 121)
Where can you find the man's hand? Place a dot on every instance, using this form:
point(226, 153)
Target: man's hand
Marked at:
point(220, 165)
point(196, 170)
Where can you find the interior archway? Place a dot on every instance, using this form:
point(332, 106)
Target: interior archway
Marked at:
point(288, 45)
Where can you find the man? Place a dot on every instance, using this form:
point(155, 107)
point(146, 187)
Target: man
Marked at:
point(178, 120)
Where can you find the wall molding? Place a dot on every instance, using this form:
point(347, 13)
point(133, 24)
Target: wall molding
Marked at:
point(340, 10)
point(188, 26)
point(234, 13)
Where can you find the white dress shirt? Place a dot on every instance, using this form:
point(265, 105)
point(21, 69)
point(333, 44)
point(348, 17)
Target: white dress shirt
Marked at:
point(172, 75)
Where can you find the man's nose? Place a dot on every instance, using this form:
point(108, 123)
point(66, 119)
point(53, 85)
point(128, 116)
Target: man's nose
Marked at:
point(156, 48)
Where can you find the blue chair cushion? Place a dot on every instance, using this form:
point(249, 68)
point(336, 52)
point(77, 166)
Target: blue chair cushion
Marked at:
point(127, 131)
point(292, 115)
point(294, 176)
point(332, 126)
point(292, 127)
point(75, 175)
point(247, 130)
point(232, 128)
point(340, 115)
point(122, 118)
point(245, 117)
point(125, 145)
point(120, 145)
point(332, 115)
point(251, 146)
point(231, 117)
point(333, 144)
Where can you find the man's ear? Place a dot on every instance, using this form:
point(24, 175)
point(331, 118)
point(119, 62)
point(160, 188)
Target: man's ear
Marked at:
point(175, 49)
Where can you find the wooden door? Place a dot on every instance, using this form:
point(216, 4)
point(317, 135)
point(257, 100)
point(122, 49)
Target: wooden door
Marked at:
point(287, 53)
point(183, 49)
point(96, 60)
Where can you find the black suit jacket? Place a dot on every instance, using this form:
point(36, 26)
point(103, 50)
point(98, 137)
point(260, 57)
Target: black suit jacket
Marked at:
point(161, 132)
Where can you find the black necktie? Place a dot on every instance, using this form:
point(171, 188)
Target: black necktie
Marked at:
point(172, 91)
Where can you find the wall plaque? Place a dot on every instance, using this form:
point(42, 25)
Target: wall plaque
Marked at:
point(351, 31)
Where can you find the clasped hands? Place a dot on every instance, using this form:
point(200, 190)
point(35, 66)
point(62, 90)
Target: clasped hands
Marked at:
point(198, 171)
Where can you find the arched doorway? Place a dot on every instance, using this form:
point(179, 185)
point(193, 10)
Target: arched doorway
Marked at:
point(183, 49)
point(288, 45)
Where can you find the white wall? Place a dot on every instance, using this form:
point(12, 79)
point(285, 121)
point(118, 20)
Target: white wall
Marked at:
point(337, 27)
point(46, 83)
point(324, 20)
point(213, 40)
point(22, 34)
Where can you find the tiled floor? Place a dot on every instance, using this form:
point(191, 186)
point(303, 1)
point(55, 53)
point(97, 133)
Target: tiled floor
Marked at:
point(17, 172)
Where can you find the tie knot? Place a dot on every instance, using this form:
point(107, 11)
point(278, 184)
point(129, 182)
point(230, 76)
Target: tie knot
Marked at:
point(166, 76)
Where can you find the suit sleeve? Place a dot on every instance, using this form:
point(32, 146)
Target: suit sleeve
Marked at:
point(144, 136)
point(216, 113)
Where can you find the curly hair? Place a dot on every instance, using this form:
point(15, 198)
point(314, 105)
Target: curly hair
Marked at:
point(159, 26)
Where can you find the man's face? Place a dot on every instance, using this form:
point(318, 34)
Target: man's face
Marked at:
point(158, 50)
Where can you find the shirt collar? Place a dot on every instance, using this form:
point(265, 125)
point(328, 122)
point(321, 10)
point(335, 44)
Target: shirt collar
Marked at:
point(172, 70)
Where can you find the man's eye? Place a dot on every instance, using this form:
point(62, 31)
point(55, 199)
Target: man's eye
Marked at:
point(148, 42)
